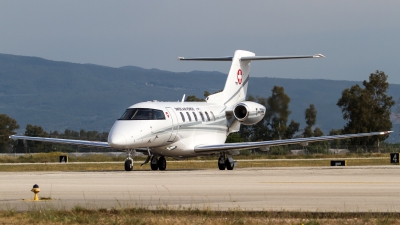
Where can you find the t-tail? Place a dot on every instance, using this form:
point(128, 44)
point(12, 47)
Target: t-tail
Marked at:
point(235, 89)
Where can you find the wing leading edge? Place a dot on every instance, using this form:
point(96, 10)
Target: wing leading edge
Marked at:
point(63, 141)
point(301, 141)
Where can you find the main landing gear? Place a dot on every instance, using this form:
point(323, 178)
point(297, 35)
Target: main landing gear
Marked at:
point(158, 164)
point(225, 161)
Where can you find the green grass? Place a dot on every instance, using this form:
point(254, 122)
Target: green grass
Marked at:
point(112, 165)
point(80, 215)
point(54, 157)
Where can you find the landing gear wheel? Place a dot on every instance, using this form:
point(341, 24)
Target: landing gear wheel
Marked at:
point(229, 165)
point(162, 163)
point(128, 164)
point(154, 163)
point(221, 163)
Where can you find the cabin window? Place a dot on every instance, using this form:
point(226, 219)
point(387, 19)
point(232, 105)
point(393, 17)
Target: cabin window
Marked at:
point(208, 118)
point(188, 115)
point(183, 117)
point(202, 117)
point(212, 114)
point(142, 114)
point(195, 116)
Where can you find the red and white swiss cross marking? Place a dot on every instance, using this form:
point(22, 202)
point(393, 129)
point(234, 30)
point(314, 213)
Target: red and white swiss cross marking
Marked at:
point(166, 113)
point(239, 76)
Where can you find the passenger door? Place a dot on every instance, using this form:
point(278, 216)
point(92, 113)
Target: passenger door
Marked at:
point(175, 124)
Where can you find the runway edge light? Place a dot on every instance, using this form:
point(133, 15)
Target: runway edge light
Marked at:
point(35, 190)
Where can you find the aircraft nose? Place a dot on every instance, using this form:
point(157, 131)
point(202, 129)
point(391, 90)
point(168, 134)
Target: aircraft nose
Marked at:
point(117, 140)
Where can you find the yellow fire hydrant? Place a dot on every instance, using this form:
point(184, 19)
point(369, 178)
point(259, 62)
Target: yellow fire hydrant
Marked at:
point(35, 190)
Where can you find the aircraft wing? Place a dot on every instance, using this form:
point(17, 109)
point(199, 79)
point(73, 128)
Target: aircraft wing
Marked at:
point(301, 141)
point(63, 141)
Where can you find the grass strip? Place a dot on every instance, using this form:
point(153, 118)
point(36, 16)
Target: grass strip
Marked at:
point(103, 157)
point(80, 215)
point(184, 165)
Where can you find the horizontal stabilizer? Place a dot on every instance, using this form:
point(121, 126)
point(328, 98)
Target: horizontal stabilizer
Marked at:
point(249, 58)
point(225, 58)
point(280, 57)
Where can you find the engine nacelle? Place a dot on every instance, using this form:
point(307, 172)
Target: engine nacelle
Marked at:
point(249, 113)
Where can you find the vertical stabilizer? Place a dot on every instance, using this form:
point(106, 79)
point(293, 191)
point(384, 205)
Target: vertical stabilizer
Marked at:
point(235, 89)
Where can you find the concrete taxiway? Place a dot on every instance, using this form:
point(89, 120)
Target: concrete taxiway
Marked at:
point(340, 189)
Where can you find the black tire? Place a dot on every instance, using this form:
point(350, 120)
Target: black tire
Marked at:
point(229, 166)
point(128, 165)
point(162, 163)
point(221, 163)
point(155, 165)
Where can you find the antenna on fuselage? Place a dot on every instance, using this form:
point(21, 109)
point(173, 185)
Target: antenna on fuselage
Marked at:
point(183, 98)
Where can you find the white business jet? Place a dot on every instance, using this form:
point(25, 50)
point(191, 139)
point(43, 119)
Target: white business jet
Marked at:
point(189, 129)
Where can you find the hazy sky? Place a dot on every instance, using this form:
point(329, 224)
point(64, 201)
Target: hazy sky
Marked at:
point(357, 37)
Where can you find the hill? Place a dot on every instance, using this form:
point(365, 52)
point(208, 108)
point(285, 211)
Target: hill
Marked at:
point(60, 95)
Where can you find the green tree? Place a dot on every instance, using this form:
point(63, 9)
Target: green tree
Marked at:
point(82, 134)
point(233, 138)
point(277, 114)
point(311, 120)
point(8, 126)
point(193, 98)
point(36, 146)
point(318, 132)
point(292, 129)
point(367, 109)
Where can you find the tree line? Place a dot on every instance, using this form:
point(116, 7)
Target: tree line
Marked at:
point(366, 109)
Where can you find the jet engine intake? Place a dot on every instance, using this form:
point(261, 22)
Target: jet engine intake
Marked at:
point(249, 113)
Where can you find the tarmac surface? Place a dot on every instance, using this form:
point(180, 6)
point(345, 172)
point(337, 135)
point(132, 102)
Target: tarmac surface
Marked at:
point(313, 189)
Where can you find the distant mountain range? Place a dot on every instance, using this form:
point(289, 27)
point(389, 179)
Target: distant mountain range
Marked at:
point(60, 95)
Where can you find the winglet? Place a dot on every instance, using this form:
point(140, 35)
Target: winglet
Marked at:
point(318, 56)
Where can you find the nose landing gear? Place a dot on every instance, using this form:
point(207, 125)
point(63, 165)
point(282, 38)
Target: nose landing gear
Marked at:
point(129, 161)
point(128, 164)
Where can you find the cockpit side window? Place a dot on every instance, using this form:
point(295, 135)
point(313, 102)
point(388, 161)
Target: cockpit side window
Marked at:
point(142, 114)
point(195, 116)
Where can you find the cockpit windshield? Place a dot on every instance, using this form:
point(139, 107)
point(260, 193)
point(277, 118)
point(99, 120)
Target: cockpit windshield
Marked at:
point(142, 114)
